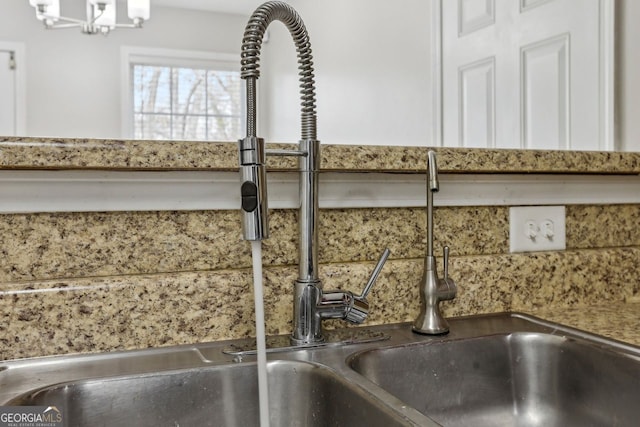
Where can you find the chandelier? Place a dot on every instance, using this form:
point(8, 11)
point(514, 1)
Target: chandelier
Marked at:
point(101, 15)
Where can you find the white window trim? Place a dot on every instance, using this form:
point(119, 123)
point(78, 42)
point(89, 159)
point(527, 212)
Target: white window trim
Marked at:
point(21, 84)
point(161, 56)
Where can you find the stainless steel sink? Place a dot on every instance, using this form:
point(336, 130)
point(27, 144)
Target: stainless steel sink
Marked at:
point(301, 394)
point(499, 370)
point(513, 379)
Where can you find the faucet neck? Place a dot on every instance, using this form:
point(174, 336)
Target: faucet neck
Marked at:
point(309, 210)
point(251, 148)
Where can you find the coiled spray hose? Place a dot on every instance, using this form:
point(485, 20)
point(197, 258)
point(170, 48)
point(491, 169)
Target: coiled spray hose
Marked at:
point(250, 62)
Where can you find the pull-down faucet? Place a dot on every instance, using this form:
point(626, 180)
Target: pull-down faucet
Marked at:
point(433, 289)
point(311, 304)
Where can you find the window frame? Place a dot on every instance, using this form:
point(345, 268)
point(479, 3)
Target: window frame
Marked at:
point(170, 58)
point(20, 52)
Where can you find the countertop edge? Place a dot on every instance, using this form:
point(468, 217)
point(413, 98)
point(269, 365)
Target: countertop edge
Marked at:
point(22, 153)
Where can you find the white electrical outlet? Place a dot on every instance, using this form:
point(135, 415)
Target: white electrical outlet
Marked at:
point(537, 228)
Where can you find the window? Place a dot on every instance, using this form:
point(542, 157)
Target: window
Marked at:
point(184, 96)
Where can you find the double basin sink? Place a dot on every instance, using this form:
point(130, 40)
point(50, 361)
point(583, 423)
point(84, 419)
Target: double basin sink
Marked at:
point(493, 370)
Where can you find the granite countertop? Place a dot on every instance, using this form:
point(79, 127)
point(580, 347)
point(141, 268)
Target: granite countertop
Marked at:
point(619, 321)
point(63, 153)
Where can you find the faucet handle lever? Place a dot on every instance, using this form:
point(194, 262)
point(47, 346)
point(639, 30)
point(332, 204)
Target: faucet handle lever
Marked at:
point(358, 308)
point(374, 274)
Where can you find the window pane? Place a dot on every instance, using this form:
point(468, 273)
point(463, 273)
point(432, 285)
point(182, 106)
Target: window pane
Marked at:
point(152, 126)
point(189, 91)
point(224, 93)
point(138, 123)
point(190, 128)
point(224, 128)
point(151, 92)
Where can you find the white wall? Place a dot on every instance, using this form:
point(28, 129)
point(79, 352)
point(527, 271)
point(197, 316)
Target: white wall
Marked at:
point(372, 73)
point(73, 80)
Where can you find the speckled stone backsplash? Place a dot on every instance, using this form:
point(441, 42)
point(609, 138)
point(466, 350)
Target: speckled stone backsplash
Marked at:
point(87, 282)
point(104, 281)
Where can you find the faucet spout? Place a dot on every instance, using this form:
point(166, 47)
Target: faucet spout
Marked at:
point(253, 191)
point(255, 219)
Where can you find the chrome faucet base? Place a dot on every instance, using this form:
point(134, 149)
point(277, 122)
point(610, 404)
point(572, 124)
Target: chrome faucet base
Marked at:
point(311, 305)
point(307, 325)
point(282, 343)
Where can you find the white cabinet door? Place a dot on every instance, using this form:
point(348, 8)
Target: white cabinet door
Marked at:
point(7, 94)
point(522, 74)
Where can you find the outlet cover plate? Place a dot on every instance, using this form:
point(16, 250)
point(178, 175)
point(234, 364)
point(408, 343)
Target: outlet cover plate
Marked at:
point(537, 228)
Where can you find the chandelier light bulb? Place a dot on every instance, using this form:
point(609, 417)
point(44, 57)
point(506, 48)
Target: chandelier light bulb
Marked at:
point(101, 2)
point(106, 14)
point(46, 10)
point(36, 3)
point(139, 9)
